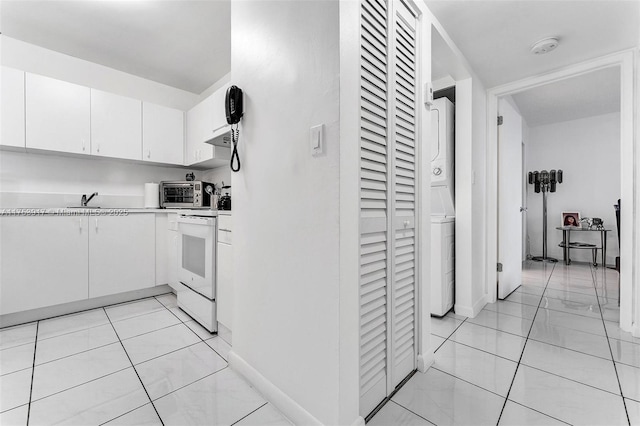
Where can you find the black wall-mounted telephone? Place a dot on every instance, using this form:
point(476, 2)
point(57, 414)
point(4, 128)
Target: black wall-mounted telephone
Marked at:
point(233, 105)
point(233, 109)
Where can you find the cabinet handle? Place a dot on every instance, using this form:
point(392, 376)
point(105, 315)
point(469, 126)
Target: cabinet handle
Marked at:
point(149, 154)
point(83, 145)
point(80, 225)
point(96, 224)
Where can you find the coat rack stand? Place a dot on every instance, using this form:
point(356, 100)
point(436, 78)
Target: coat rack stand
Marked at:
point(545, 181)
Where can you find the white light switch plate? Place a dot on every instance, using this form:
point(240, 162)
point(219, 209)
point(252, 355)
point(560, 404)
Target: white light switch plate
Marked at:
point(316, 139)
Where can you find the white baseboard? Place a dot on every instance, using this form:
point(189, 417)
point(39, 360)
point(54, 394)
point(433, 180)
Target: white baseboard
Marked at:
point(290, 408)
point(471, 311)
point(358, 422)
point(425, 361)
point(8, 320)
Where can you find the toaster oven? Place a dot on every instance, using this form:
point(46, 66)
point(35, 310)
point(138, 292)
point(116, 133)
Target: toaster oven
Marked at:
point(185, 194)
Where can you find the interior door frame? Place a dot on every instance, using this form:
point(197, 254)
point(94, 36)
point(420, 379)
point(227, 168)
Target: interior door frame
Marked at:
point(629, 297)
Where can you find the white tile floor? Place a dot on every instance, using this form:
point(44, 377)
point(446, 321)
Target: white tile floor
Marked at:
point(137, 363)
point(551, 353)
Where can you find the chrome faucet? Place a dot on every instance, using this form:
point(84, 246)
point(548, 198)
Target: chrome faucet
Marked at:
point(85, 200)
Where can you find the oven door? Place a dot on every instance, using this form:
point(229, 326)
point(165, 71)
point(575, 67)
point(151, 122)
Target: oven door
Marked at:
point(197, 254)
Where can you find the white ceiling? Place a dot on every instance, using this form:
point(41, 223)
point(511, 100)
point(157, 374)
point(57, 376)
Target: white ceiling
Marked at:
point(587, 95)
point(496, 36)
point(181, 43)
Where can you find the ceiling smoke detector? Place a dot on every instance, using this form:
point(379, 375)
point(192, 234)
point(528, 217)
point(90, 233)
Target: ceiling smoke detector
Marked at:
point(545, 45)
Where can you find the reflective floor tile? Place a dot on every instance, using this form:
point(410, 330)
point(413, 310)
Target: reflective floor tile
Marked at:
point(143, 416)
point(629, 381)
point(587, 288)
point(133, 309)
point(146, 323)
point(566, 400)
point(445, 400)
point(502, 322)
point(160, 342)
point(614, 331)
point(480, 368)
point(200, 331)
point(73, 343)
point(16, 358)
point(169, 300)
point(436, 341)
point(444, 326)
point(524, 298)
point(15, 389)
point(15, 417)
point(584, 299)
point(633, 409)
point(529, 289)
point(219, 399)
point(587, 343)
point(393, 414)
point(17, 336)
point(92, 403)
point(610, 312)
point(518, 415)
point(572, 321)
point(591, 310)
point(490, 340)
point(221, 347)
point(452, 314)
point(174, 370)
point(267, 415)
point(587, 369)
point(75, 370)
point(625, 352)
point(510, 308)
point(70, 323)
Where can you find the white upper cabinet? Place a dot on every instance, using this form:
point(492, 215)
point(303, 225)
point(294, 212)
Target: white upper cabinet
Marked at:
point(162, 134)
point(116, 126)
point(12, 104)
point(204, 121)
point(58, 115)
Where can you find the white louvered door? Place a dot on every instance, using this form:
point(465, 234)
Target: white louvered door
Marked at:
point(387, 199)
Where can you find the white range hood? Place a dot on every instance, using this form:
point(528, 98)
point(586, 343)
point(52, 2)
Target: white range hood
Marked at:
point(221, 136)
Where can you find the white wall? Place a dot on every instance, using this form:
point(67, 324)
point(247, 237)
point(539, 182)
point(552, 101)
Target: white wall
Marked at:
point(38, 60)
point(45, 180)
point(588, 152)
point(285, 58)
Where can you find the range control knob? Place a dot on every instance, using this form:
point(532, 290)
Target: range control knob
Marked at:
point(437, 171)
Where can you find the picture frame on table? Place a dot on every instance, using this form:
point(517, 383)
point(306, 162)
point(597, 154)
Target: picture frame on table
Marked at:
point(571, 219)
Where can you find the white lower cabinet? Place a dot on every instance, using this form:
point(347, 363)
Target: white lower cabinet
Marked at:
point(43, 261)
point(121, 253)
point(225, 272)
point(172, 251)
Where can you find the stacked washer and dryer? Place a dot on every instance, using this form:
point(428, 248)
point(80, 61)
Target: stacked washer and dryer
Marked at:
point(442, 207)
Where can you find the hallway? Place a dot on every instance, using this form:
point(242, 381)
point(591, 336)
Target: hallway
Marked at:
point(551, 353)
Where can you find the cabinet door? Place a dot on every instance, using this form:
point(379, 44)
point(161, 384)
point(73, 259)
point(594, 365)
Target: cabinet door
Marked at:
point(43, 262)
point(12, 104)
point(116, 126)
point(121, 253)
point(57, 115)
point(225, 285)
point(162, 134)
point(199, 121)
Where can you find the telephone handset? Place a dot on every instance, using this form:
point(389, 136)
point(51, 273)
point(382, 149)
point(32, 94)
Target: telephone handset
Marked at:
point(233, 109)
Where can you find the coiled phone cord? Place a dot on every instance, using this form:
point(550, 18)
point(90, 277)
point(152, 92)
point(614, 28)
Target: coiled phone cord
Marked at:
point(235, 134)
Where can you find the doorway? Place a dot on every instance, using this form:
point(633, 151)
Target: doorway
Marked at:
point(622, 65)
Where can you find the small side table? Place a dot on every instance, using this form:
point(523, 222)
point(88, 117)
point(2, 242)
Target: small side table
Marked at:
point(567, 245)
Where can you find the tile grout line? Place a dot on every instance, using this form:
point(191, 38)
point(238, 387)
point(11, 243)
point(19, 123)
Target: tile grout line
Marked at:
point(524, 347)
point(134, 367)
point(247, 415)
point(33, 371)
point(613, 360)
